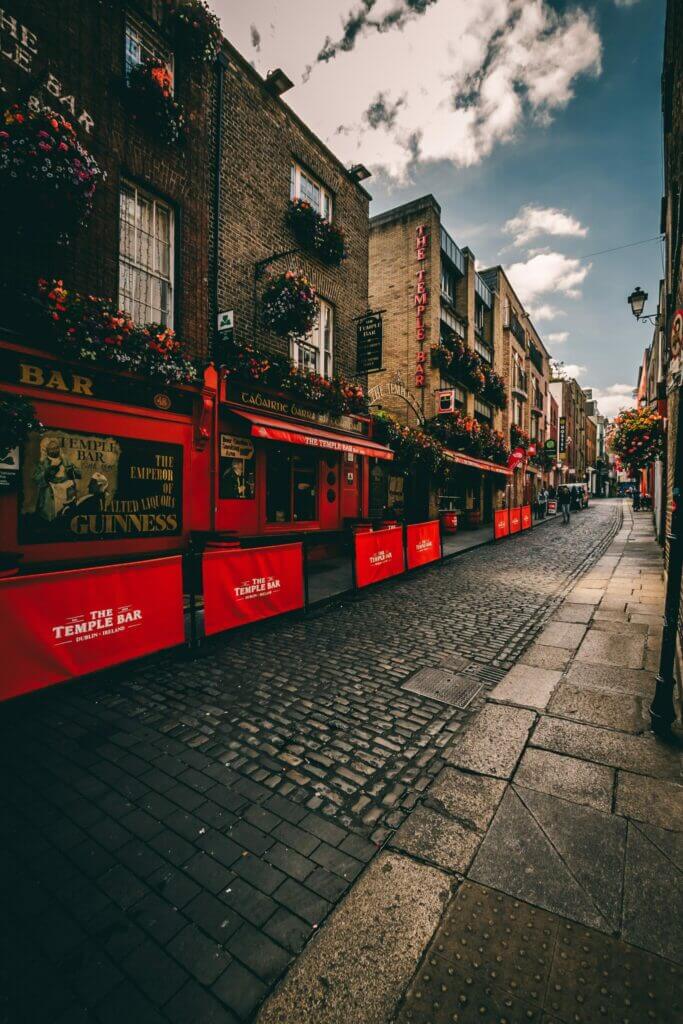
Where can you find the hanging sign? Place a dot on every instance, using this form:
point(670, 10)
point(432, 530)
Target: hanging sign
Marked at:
point(84, 487)
point(379, 555)
point(423, 543)
point(562, 434)
point(9, 469)
point(369, 344)
point(59, 625)
point(550, 445)
point(247, 584)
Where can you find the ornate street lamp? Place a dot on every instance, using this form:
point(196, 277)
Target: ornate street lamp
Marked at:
point(636, 301)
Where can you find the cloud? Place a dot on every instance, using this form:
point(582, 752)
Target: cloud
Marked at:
point(611, 400)
point(255, 37)
point(557, 337)
point(574, 370)
point(471, 73)
point(545, 311)
point(548, 272)
point(625, 3)
point(532, 221)
point(382, 112)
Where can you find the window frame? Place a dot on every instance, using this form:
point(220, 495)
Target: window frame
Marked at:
point(151, 45)
point(326, 205)
point(323, 347)
point(293, 456)
point(134, 266)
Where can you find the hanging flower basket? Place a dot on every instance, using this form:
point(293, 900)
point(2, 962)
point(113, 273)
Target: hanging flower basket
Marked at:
point(494, 389)
point(637, 438)
point(197, 30)
point(519, 437)
point(289, 306)
point(91, 329)
point(315, 234)
point(151, 102)
point(17, 419)
point(47, 178)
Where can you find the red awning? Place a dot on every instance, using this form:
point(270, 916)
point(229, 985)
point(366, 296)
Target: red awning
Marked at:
point(312, 436)
point(482, 464)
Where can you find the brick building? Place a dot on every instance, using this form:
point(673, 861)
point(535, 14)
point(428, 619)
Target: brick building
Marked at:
point(571, 403)
point(526, 371)
point(147, 243)
point(434, 303)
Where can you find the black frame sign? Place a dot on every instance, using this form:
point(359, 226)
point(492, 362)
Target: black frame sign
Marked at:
point(369, 344)
point(562, 447)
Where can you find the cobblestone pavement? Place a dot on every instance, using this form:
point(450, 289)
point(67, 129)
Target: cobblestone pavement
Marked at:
point(174, 834)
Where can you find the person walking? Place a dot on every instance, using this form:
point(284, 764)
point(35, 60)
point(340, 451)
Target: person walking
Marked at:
point(564, 499)
point(542, 503)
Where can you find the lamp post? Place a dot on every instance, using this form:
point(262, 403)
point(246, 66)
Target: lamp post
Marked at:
point(662, 710)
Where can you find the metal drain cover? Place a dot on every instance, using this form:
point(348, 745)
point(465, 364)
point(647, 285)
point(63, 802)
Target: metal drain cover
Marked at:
point(441, 684)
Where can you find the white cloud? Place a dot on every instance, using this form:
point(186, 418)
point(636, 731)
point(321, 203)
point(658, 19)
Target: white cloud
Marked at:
point(557, 337)
point(574, 370)
point(545, 311)
point(625, 3)
point(532, 221)
point(548, 272)
point(614, 398)
point(469, 73)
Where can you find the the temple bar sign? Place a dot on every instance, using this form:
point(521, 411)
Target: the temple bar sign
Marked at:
point(369, 344)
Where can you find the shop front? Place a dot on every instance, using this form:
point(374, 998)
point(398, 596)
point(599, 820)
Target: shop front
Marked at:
point(476, 489)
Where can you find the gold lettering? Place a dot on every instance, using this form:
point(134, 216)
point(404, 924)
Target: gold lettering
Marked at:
point(31, 375)
point(82, 385)
point(56, 381)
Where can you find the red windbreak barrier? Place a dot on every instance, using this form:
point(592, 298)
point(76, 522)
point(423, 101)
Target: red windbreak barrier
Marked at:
point(55, 626)
point(501, 523)
point(379, 555)
point(515, 520)
point(423, 543)
point(552, 507)
point(247, 584)
point(526, 517)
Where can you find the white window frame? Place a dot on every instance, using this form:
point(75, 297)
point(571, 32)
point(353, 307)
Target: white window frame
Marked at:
point(148, 45)
point(133, 266)
point(302, 186)
point(316, 352)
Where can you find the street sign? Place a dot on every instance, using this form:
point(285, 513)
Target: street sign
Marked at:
point(550, 445)
point(369, 343)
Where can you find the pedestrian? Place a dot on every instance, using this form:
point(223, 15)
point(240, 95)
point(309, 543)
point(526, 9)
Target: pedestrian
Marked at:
point(542, 503)
point(564, 499)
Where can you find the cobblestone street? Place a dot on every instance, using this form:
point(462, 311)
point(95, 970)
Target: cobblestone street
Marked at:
point(174, 833)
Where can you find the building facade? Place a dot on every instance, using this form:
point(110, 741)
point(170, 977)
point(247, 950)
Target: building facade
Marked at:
point(571, 408)
point(439, 356)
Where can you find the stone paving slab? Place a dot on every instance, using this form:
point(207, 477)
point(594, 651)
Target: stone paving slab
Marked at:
point(569, 612)
point(566, 777)
point(653, 897)
point(493, 742)
point(622, 628)
point(527, 686)
point(642, 754)
point(584, 595)
point(600, 648)
point(656, 801)
point(635, 682)
point(614, 711)
point(668, 843)
point(562, 634)
point(517, 858)
point(357, 968)
point(442, 841)
point(472, 799)
point(542, 656)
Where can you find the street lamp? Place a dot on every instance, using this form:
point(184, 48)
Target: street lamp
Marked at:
point(636, 301)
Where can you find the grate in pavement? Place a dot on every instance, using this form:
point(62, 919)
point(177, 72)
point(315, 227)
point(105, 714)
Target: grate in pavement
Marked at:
point(441, 684)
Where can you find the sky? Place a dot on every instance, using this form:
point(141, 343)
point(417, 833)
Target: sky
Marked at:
point(536, 124)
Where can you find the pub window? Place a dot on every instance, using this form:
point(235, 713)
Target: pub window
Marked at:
point(447, 281)
point(291, 486)
point(315, 352)
point(145, 257)
point(142, 43)
point(303, 186)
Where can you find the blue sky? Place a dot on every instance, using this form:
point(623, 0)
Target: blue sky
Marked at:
point(547, 113)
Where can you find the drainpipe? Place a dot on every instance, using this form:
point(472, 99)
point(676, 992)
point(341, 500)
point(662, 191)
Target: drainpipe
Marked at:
point(221, 66)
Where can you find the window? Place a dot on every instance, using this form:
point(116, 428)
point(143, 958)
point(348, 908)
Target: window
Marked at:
point(447, 281)
point(145, 257)
point(483, 411)
point(478, 314)
point(452, 323)
point(291, 486)
point(143, 43)
point(303, 186)
point(517, 412)
point(315, 353)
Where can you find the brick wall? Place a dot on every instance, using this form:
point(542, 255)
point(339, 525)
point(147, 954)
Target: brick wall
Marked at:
point(261, 139)
point(81, 44)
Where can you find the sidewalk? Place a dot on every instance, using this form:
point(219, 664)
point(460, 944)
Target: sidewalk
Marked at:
point(539, 879)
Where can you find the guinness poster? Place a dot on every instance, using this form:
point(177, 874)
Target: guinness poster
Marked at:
point(92, 487)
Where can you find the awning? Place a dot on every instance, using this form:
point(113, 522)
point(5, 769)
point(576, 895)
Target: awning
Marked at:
point(272, 429)
point(482, 464)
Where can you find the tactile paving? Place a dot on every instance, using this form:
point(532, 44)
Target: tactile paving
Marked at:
point(497, 960)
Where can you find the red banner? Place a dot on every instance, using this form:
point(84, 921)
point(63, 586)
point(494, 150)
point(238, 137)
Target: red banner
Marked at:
point(515, 520)
point(526, 517)
point(56, 626)
point(379, 555)
point(423, 543)
point(247, 584)
point(501, 523)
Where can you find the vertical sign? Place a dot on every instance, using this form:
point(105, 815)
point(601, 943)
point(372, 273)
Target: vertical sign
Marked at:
point(421, 301)
point(369, 344)
point(562, 435)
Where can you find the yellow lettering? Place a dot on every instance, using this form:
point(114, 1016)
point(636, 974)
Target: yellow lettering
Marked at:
point(31, 375)
point(82, 385)
point(56, 381)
